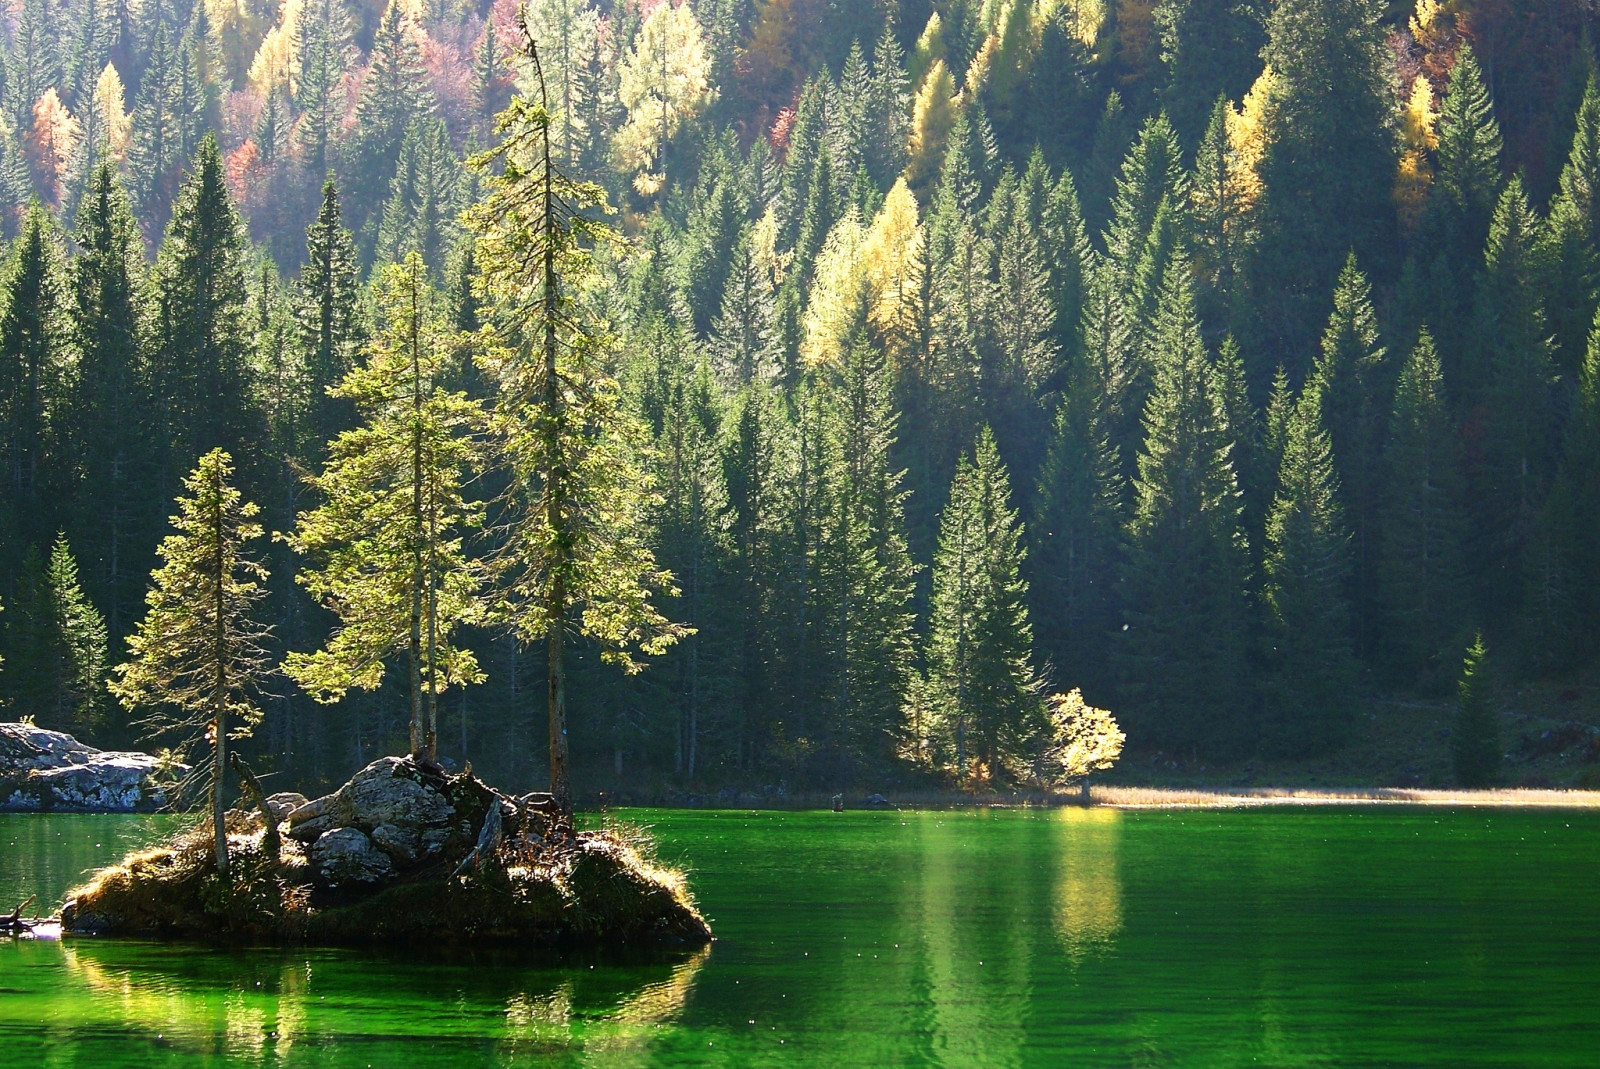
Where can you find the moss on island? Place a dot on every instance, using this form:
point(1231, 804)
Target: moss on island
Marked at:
point(402, 853)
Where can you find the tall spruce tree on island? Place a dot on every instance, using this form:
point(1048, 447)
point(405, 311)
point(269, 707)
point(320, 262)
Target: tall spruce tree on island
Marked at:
point(574, 558)
point(983, 695)
point(387, 542)
point(1184, 579)
point(198, 657)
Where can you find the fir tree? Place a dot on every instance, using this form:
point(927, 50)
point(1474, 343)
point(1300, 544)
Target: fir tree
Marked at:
point(197, 659)
point(155, 137)
point(742, 336)
point(983, 693)
point(1575, 237)
point(325, 48)
point(1307, 567)
point(1475, 738)
point(1186, 570)
point(387, 541)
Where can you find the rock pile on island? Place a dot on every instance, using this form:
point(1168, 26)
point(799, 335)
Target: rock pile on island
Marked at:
point(43, 770)
point(404, 851)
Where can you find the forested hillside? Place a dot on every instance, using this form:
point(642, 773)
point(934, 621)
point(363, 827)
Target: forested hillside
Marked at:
point(1232, 361)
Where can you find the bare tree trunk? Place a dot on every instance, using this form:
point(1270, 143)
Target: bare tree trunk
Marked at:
point(560, 777)
point(419, 742)
point(219, 722)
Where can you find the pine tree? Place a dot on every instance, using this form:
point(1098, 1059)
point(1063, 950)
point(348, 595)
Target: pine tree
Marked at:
point(1307, 568)
point(325, 49)
point(742, 339)
point(984, 695)
point(112, 400)
point(197, 659)
point(326, 310)
point(202, 338)
point(574, 557)
point(1185, 576)
point(155, 138)
point(1419, 570)
point(1475, 738)
point(387, 541)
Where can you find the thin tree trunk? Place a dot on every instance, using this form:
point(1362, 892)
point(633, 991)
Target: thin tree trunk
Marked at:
point(419, 742)
point(219, 724)
point(556, 606)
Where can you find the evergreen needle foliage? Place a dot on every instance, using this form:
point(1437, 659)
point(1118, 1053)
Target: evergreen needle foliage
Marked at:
point(198, 656)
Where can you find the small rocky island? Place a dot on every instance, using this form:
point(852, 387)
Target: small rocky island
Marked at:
point(49, 770)
point(403, 852)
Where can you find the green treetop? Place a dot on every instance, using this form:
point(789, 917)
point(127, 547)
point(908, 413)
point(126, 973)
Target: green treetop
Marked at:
point(1475, 738)
point(197, 658)
point(326, 304)
point(387, 541)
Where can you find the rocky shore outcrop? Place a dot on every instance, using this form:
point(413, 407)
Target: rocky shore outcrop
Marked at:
point(403, 852)
point(49, 770)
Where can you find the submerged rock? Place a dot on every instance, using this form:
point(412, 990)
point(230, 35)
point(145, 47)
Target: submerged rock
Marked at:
point(404, 851)
point(43, 770)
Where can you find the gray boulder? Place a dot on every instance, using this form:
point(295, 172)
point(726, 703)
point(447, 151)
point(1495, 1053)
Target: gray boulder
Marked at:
point(407, 818)
point(42, 770)
point(345, 857)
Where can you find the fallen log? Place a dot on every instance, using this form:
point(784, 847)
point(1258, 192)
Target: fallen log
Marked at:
point(15, 923)
point(488, 840)
point(270, 844)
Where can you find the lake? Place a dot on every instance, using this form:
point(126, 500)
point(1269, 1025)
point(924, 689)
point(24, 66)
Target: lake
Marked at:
point(1065, 938)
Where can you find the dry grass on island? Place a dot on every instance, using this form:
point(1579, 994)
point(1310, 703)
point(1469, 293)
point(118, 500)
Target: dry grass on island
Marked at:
point(401, 853)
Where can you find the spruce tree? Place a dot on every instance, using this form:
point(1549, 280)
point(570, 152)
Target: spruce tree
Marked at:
point(1307, 567)
point(325, 48)
point(870, 629)
point(424, 198)
point(70, 644)
point(1208, 47)
point(1475, 737)
point(112, 400)
point(394, 94)
point(202, 370)
point(1510, 374)
point(387, 542)
point(327, 316)
point(197, 660)
point(1574, 228)
point(1328, 170)
point(742, 339)
point(35, 366)
point(1184, 580)
point(574, 556)
point(155, 157)
point(1420, 565)
point(1352, 377)
point(983, 692)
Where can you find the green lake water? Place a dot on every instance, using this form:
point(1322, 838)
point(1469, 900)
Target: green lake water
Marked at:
point(1067, 938)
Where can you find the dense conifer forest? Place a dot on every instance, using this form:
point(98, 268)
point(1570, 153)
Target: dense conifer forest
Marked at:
point(1234, 362)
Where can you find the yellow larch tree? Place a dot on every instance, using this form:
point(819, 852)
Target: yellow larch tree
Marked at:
point(664, 83)
point(1417, 140)
point(890, 258)
point(277, 61)
point(838, 298)
point(933, 114)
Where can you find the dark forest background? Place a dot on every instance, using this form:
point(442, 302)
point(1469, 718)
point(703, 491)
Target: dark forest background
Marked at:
point(1234, 362)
